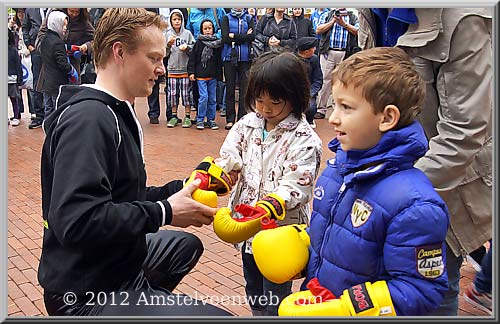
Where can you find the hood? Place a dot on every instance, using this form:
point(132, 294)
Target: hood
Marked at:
point(55, 22)
point(71, 94)
point(396, 147)
point(301, 15)
point(182, 19)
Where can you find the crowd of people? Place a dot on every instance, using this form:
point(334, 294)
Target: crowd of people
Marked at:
point(406, 197)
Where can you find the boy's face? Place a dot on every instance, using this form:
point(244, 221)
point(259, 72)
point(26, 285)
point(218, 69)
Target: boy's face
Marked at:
point(144, 65)
point(176, 22)
point(207, 28)
point(357, 126)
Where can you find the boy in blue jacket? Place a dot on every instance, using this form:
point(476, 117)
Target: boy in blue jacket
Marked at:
point(378, 228)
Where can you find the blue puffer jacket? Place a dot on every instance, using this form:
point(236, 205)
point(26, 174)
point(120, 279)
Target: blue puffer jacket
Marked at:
point(382, 222)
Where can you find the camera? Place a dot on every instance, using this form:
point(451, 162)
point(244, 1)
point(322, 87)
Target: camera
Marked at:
point(336, 13)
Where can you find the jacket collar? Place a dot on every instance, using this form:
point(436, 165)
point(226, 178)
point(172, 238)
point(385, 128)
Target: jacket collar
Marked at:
point(396, 149)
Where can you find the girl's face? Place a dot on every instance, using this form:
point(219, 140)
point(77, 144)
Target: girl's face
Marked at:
point(20, 15)
point(73, 13)
point(65, 26)
point(273, 110)
point(297, 12)
point(207, 28)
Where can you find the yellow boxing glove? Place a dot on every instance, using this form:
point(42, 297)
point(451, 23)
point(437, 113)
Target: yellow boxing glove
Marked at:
point(213, 177)
point(365, 299)
point(237, 230)
point(281, 253)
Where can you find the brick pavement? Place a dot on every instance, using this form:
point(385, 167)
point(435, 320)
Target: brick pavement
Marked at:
point(169, 154)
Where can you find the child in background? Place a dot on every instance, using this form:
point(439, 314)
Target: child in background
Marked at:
point(277, 155)
point(15, 77)
point(179, 42)
point(205, 67)
point(378, 227)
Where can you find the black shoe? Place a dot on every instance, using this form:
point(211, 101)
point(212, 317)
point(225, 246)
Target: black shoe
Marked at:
point(35, 123)
point(319, 115)
point(154, 120)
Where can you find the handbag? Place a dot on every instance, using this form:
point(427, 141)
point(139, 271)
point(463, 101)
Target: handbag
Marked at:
point(258, 47)
point(27, 73)
point(88, 74)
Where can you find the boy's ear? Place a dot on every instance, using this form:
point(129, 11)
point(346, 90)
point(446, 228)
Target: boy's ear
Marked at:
point(390, 118)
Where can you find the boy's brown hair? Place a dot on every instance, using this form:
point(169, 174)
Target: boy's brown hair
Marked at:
point(385, 76)
point(122, 25)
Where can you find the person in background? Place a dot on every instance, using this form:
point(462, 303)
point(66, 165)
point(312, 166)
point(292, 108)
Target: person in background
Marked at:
point(334, 28)
point(80, 33)
point(304, 25)
point(14, 77)
point(56, 64)
point(452, 50)
point(238, 32)
point(31, 25)
point(306, 46)
point(276, 30)
point(205, 67)
point(180, 42)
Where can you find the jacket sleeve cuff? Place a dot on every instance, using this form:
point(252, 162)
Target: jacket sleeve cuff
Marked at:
point(166, 211)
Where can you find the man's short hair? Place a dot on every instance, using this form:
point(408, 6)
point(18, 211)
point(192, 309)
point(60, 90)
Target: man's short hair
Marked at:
point(385, 76)
point(122, 25)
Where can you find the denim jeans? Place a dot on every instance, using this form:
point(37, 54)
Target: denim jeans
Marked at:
point(221, 95)
point(263, 295)
point(154, 101)
point(207, 102)
point(482, 282)
point(449, 305)
point(49, 104)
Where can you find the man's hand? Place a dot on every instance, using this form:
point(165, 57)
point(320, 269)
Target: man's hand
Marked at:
point(186, 211)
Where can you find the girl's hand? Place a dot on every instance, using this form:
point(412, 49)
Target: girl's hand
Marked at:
point(83, 48)
point(191, 77)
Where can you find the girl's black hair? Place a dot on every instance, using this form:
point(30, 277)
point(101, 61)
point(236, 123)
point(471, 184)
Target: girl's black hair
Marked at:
point(204, 21)
point(281, 75)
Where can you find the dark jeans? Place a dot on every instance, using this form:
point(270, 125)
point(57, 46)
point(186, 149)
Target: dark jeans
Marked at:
point(449, 305)
point(49, 103)
point(233, 73)
point(263, 295)
point(37, 97)
point(221, 95)
point(483, 279)
point(171, 255)
point(154, 100)
point(313, 108)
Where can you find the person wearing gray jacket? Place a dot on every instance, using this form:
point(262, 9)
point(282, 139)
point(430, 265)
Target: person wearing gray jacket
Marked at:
point(180, 42)
point(452, 50)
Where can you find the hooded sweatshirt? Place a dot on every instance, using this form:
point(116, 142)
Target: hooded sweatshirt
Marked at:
point(95, 202)
point(177, 59)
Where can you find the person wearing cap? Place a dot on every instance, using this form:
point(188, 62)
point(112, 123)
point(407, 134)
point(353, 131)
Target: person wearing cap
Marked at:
point(305, 48)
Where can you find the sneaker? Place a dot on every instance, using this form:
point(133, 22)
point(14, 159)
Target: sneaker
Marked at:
point(186, 123)
point(193, 108)
point(173, 122)
point(154, 120)
point(199, 125)
point(35, 123)
point(229, 126)
point(319, 115)
point(223, 112)
point(33, 116)
point(476, 257)
point(15, 122)
point(213, 125)
point(312, 124)
point(475, 298)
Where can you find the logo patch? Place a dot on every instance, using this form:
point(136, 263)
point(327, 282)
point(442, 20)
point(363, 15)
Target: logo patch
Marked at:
point(360, 212)
point(319, 192)
point(429, 260)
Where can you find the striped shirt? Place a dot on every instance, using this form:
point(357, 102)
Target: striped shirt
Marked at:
point(338, 38)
